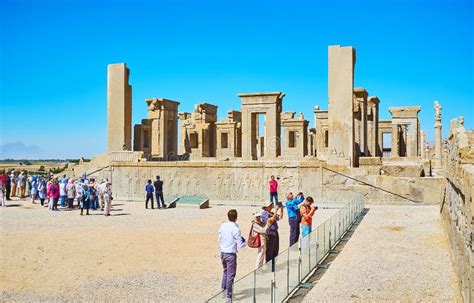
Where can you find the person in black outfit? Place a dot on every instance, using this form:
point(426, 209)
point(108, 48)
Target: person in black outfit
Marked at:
point(159, 192)
point(8, 186)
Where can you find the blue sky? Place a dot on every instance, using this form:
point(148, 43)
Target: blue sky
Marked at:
point(54, 56)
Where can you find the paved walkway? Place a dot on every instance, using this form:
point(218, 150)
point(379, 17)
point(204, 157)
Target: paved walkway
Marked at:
point(397, 253)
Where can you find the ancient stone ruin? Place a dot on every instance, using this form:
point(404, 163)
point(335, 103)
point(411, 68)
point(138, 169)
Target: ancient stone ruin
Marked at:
point(349, 130)
point(348, 148)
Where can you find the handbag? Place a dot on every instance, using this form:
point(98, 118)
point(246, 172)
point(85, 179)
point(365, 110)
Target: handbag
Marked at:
point(254, 241)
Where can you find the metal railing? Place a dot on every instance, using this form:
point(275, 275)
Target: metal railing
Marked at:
point(295, 264)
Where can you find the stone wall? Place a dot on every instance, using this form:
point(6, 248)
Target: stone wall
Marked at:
point(458, 207)
point(247, 181)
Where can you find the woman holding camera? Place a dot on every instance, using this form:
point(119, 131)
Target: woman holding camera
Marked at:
point(307, 211)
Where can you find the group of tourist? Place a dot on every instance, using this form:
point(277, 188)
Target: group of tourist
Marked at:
point(264, 232)
point(88, 193)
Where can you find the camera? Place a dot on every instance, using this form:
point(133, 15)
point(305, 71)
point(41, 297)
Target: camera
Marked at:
point(279, 204)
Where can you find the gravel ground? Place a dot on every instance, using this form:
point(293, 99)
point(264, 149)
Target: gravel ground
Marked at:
point(397, 253)
point(134, 255)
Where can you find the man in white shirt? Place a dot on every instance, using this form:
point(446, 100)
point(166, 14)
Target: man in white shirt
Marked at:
point(230, 240)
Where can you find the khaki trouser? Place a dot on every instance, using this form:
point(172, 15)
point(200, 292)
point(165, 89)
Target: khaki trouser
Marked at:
point(108, 204)
point(22, 191)
point(101, 200)
point(13, 192)
point(261, 253)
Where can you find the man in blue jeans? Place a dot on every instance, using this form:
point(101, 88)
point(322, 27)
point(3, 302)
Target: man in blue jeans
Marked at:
point(292, 206)
point(230, 240)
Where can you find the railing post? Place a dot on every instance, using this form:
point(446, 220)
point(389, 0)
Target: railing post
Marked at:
point(255, 286)
point(272, 291)
point(288, 273)
point(299, 261)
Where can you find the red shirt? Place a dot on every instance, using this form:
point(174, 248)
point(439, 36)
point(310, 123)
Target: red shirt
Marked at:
point(273, 186)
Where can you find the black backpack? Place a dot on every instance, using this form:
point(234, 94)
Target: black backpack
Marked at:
point(54, 190)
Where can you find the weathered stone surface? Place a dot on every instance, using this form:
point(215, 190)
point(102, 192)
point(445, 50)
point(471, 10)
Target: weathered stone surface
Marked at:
point(198, 131)
point(321, 133)
point(370, 161)
point(438, 135)
point(458, 207)
point(403, 170)
point(295, 134)
point(229, 136)
point(372, 126)
point(157, 136)
point(341, 62)
point(405, 131)
point(270, 105)
point(119, 108)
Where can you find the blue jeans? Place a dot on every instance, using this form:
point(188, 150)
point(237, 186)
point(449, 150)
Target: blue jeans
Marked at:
point(305, 230)
point(63, 201)
point(273, 195)
point(229, 263)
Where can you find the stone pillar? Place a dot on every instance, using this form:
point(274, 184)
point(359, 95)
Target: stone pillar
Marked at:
point(341, 61)
point(438, 136)
point(422, 144)
point(395, 151)
point(321, 135)
point(119, 108)
point(137, 137)
point(360, 121)
point(372, 126)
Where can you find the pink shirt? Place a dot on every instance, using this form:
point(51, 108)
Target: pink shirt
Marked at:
point(273, 186)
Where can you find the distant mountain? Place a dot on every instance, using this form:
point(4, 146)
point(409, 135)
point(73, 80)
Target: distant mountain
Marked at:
point(19, 150)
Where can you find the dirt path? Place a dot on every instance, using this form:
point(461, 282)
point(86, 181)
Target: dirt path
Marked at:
point(134, 255)
point(397, 253)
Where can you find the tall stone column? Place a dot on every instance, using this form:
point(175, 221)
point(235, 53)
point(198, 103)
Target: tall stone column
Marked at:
point(422, 144)
point(119, 108)
point(438, 137)
point(395, 152)
point(341, 61)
